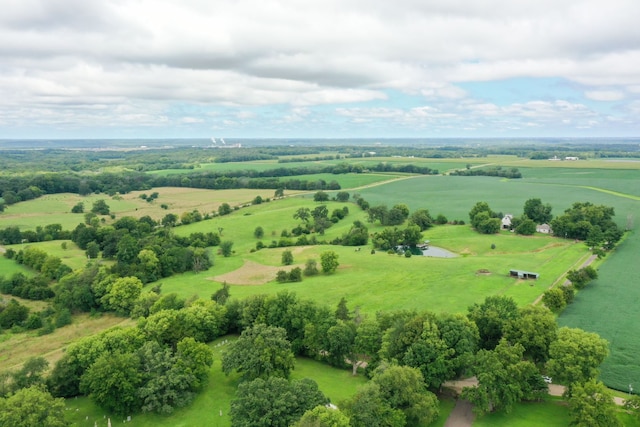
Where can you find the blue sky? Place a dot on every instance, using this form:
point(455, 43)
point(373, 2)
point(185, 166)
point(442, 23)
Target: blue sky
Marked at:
point(336, 68)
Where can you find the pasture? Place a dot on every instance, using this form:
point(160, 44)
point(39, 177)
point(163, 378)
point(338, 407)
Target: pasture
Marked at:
point(379, 281)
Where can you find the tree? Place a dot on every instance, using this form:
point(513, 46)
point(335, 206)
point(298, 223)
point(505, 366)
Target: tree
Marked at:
point(260, 352)
point(30, 407)
point(258, 233)
point(30, 374)
point(576, 355)
point(491, 317)
point(112, 382)
point(303, 214)
point(274, 402)
point(224, 209)
point(100, 207)
point(321, 416)
point(320, 196)
point(591, 404)
point(310, 268)
point(422, 218)
point(369, 408)
point(396, 215)
point(78, 208)
point(342, 196)
point(358, 235)
point(226, 248)
point(164, 387)
point(503, 379)
point(537, 212)
point(329, 262)
point(535, 329)
point(403, 388)
point(526, 227)
point(554, 299)
point(121, 295)
point(221, 295)
point(287, 257)
point(580, 278)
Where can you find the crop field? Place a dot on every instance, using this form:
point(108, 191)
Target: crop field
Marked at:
point(609, 306)
point(454, 196)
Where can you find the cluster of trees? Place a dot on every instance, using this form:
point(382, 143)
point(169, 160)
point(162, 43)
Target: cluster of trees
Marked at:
point(512, 173)
point(592, 223)
point(143, 250)
point(483, 219)
point(13, 235)
point(557, 298)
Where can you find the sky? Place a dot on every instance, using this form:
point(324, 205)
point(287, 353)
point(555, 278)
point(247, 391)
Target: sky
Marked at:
point(319, 69)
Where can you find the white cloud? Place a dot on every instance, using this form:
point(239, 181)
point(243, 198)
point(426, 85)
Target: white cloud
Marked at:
point(605, 95)
point(77, 60)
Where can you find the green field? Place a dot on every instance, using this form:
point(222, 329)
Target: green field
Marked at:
point(609, 307)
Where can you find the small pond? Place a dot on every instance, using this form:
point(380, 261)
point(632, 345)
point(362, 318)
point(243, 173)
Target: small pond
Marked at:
point(436, 252)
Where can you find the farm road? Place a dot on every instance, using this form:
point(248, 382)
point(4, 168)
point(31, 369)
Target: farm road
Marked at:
point(567, 282)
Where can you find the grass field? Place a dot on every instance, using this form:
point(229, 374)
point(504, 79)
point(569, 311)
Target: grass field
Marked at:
point(382, 281)
point(17, 348)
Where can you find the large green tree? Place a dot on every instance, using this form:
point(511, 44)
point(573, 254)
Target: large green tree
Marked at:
point(322, 416)
point(504, 379)
point(491, 316)
point(30, 407)
point(261, 351)
point(536, 211)
point(329, 262)
point(535, 328)
point(404, 389)
point(369, 408)
point(591, 404)
point(274, 402)
point(575, 356)
point(112, 382)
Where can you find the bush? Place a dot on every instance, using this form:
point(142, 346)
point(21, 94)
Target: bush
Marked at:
point(311, 268)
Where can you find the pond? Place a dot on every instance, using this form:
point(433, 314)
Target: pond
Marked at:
point(436, 252)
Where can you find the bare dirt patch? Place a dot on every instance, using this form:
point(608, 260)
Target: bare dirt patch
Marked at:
point(252, 274)
point(483, 272)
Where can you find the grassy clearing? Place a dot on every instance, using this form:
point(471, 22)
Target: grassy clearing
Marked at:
point(8, 267)
point(16, 348)
point(73, 256)
point(608, 306)
point(550, 413)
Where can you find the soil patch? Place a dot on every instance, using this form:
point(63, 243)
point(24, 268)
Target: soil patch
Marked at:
point(252, 274)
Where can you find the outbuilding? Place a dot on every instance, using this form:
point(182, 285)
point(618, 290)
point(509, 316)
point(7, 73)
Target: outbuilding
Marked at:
point(521, 274)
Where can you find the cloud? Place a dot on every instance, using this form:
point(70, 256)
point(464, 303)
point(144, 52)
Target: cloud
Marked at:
point(86, 59)
point(605, 95)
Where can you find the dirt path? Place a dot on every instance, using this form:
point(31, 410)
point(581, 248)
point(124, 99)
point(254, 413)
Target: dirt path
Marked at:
point(567, 282)
point(461, 416)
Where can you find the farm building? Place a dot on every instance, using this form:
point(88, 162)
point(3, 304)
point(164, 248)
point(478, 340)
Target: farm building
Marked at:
point(520, 274)
point(544, 228)
point(506, 221)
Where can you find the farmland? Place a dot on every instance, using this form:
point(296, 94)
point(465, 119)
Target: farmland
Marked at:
point(377, 281)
